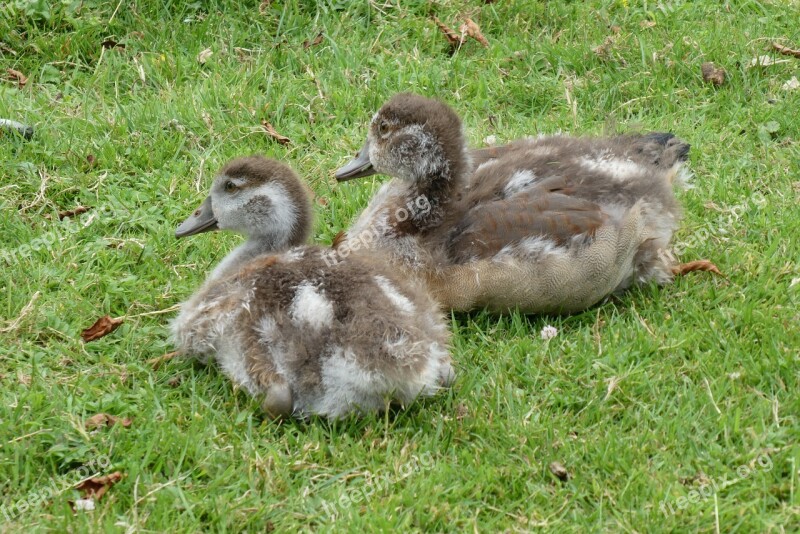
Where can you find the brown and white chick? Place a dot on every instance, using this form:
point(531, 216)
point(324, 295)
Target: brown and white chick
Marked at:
point(305, 331)
point(543, 225)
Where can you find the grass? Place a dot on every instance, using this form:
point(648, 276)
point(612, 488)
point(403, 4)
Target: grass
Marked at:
point(672, 409)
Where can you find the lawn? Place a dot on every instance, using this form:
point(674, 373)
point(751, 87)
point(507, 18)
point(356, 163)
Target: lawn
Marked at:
point(664, 409)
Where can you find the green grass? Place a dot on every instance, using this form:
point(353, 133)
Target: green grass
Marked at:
point(646, 399)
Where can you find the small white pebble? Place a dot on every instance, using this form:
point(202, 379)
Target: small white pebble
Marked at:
point(791, 85)
point(490, 140)
point(84, 504)
point(549, 332)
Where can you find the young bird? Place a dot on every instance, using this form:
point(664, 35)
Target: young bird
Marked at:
point(305, 332)
point(543, 225)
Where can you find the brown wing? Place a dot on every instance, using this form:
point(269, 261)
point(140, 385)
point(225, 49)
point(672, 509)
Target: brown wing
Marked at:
point(490, 226)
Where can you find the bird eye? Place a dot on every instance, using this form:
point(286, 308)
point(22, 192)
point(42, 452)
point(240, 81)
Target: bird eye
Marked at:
point(229, 186)
point(383, 128)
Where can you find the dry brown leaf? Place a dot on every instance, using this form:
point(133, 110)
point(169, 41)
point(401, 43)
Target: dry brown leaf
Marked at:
point(699, 265)
point(785, 50)
point(473, 30)
point(17, 76)
point(282, 139)
point(322, 201)
point(559, 471)
point(204, 56)
point(96, 487)
point(104, 419)
point(156, 362)
point(604, 50)
point(262, 8)
point(314, 42)
point(71, 213)
point(6, 48)
point(111, 43)
point(451, 36)
point(102, 327)
point(645, 24)
point(712, 74)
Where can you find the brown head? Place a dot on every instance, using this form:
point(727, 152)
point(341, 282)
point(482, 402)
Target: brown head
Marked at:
point(413, 138)
point(260, 198)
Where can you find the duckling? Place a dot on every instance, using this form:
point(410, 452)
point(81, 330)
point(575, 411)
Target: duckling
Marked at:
point(303, 331)
point(543, 225)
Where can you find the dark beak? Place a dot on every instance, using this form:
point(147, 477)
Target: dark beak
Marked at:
point(202, 220)
point(358, 167)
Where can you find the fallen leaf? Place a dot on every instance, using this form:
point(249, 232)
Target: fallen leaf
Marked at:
point(6, 48)
point(645, 24)
point(473, 30)
point(262, 8)
point(94, 488)
point(104, 419)
point(451, 36)
point(111, 43)
point(314, 42)
point(764, 61)
point(156, 362)
point(17, 76)
point(102, 327)
point(282, 139)
point(712, 74)
point(204, 56)
point(559, 471)
point(698, 479)
point(322, 201)
point(699, 265)
point(604, 50)
point(786, 50)
point(791, 85)
point(73, 212)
